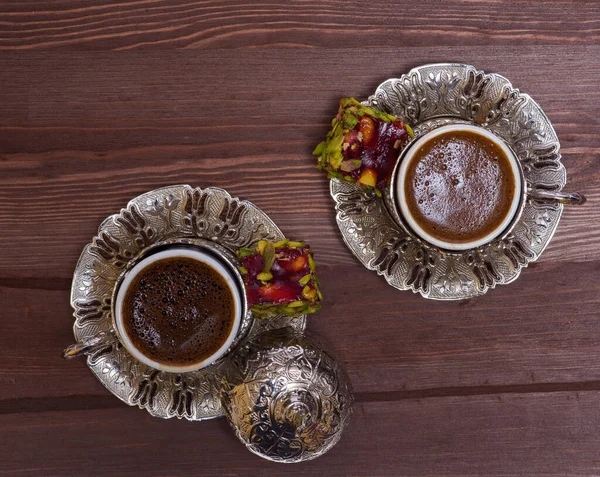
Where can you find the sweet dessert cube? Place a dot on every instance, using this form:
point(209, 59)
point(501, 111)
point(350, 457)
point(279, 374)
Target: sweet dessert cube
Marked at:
point(280, 278)
point(363, 145)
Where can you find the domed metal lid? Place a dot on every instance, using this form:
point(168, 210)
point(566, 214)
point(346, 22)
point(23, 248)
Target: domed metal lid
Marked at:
point(287, 399)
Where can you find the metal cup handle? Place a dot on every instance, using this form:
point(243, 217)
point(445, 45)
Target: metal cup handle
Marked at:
point(90, 345)
point(572, 198)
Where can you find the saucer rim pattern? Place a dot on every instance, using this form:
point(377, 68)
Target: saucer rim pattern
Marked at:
point(430, 96)
point(177, 214)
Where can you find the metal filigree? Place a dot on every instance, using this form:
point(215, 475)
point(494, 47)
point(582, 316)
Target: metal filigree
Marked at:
point(175, 214)
point(287, 398)
point(427, 97)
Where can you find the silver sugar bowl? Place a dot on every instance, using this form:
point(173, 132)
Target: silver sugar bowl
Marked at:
point(286, 397)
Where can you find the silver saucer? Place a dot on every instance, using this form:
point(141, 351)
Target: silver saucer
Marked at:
point(446, 93)
point(176, 214)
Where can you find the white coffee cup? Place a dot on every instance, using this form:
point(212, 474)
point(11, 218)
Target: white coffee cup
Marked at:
point(399, 188)
point(176, 252)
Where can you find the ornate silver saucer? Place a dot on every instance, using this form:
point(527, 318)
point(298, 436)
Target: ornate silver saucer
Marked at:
point(210, 218)
point(434, 95)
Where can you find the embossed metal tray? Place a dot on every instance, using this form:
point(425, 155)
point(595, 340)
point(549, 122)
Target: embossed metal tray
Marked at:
point(177, 214)
point(442, 94)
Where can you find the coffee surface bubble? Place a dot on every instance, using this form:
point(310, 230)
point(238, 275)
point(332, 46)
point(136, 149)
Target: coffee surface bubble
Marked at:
point(459, 186)
point(178, 311)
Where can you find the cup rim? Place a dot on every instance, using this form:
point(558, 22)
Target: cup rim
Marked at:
point(200, 255)
point(399, 193)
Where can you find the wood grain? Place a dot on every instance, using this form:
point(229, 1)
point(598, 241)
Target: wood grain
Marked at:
point(77, 143)
point(537, 334)
point(299, 24)
point(496, 435)
point(236, 94)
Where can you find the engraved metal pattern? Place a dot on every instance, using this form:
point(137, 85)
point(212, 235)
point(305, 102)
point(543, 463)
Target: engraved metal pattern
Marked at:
point(175, 214)
point(434, 95)
point(287, 399)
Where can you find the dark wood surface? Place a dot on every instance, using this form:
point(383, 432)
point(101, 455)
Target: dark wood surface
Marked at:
point(101, 101)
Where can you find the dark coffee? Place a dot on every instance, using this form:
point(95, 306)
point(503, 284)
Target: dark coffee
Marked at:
point(459, 186)
point(178, 311)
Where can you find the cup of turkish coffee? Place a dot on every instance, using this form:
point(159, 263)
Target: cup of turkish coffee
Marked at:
point(179, 309)
point(459, 187)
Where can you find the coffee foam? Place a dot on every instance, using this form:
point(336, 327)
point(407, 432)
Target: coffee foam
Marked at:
point(178, 311)
point(459, 186)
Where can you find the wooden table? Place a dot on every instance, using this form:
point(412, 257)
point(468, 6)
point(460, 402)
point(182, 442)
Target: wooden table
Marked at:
point(101, 101)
